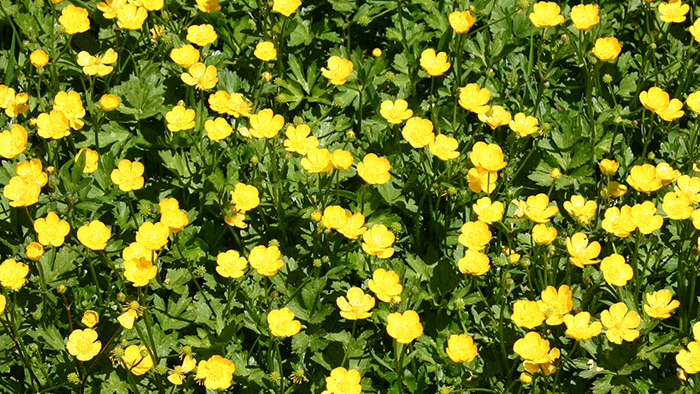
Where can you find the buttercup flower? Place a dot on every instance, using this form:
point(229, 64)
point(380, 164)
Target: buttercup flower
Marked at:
point(615, 189)
point(474, 98)
point(341, 159)
point(395, 112)
point(608, 167)
point(695, 31)
point(474, 263)
point(185, 56)
point(435, 64)
point(460, 348)
point(488, 211)
point(265, 51)
point(354, 225)
point(285, 7)
point(578, 327)
point(200, 76)
point(128, 175)
point(171, 215)
point(376, 52)
point(51, 230)
point(673, 11)
point(538, 210)
point(555, 304)
point(180, 118)
point(265, 124)
point(177, 375)
point(404, 327)
point(689, 359)
point(208, 5)
point(356, 306)
point(139, 271)
point(377, 241)
point(245, 197)
point(13, 141)
point(21, 191)
point(666, 174)
point(385, 285)
point(643, 178)
point(83, 344)
point(94, 235)
point(536, 352)
point(546, 14)
point(621, 323)
point(317, 161)
point(487, 156)
point(444, 147)
point(496, 116)
point(90, 318)
point(475, 235)
point(619, 221)
point(418, 132)
point(34, 251)
point(672, 111)
point(74, 19)
point(13, 274)
point(585, 16)
point(645, 218)
point(299, 139)
point(39, 58)
point(527, 314)
point(265, 260)
point(615, 270)
point(659, 304)
point(481, 180)
point(581, 251)
point(131, 17)
point(201, 35)
point(12, 102)
point(282, 323)
point(338, 70)
point(343, 381)
point(524, 125)
point(152, 235)
point(461, 21)
point(230, 264)
point(72, 107)
point(216, 373)
point(581, 209)
point(607, 48)
point(374, 170)
point(91, 160)
point(689, 186)
point(218, 129)
point(654, 99)
point(109, 102)
point(53, 125)
point(677, 206)
point(136, 359)
point(97, 65)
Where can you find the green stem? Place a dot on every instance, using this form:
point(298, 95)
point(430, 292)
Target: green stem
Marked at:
point(352, 342)
point(398, 356)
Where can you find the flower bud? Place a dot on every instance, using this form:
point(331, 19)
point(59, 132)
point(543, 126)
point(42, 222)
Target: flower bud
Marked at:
point(61, 289)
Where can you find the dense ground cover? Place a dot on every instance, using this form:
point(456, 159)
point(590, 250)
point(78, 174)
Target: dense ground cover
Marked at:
point(377, 196)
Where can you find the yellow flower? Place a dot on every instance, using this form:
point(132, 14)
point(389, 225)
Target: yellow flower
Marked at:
point(487, 156)
point(22, 191)
point(185, 56)
point(265, 51)
point(72, 107)
point(245, 197)
point(376, 52)
point(34, 251)
point(53, 125)
point(620, 323)
point(131, 312)
point(39, 58)
point(354, 226)
point(581, 209)
point(51, 230)
point(334, 217)
point(97, 65)
point(460, 348)
point(3, 303)
point(654, 99)
point(607, 48)
point(435, 64)
point(585, 16)
point(12, 102)
point(131, 17)
point(532, 347)
point(487, 211)
point(201, 35)
point(299, 139)
point(91, 160)
point(139, 271)
point(696, 219)
point(581, 252)
point(444, 147)
point(282, 323)
point(13, 274)
point(615, 270)
point(341, 159)
point(83, 344)
point(171, 214)
point(404, 327)
point(265, 124)
point(230, 264)
point(481, 180)
point(13, 141)
point(643, 178)
point(693, 101)
point(109, 102)
point(374, 170)
point(234, 104)
point(385, 285)
point(418, 132)
point(317, 161)
point(338, 70)
point(555, 304)
point(659, 304)
point(180, 118)
point(152, 235)
point(666, 174)
point(200, 76)
point(461, 21)
point(527, 314)
point(645, 218)
point(90, 318)
point(608, 167)
point(218, 129)
point(128, 175)
point(619, 221)
point(673, 11)
point(475, 235)
point(496, 116)
point(395, 112)
point(94, 235)
point(177, 375)
point(109, 8)
point(474, 98)
point(343, 381)
point(236, 219)
point(356, 306)
point(32, 171)
point(474, 263)
point(265, 260)
point(74, 19)
point(136, 359)
point(546, 14)
point(377, 241)
point(695, 30)
point(578, 326)
point(689, 359)
point(538, 210)
point(672, 111)
point(208, 5)
point(525, 378)
point(677, 206)
point(285, 7)
point(156, 32)
point(524, 125)
point(615, 189)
